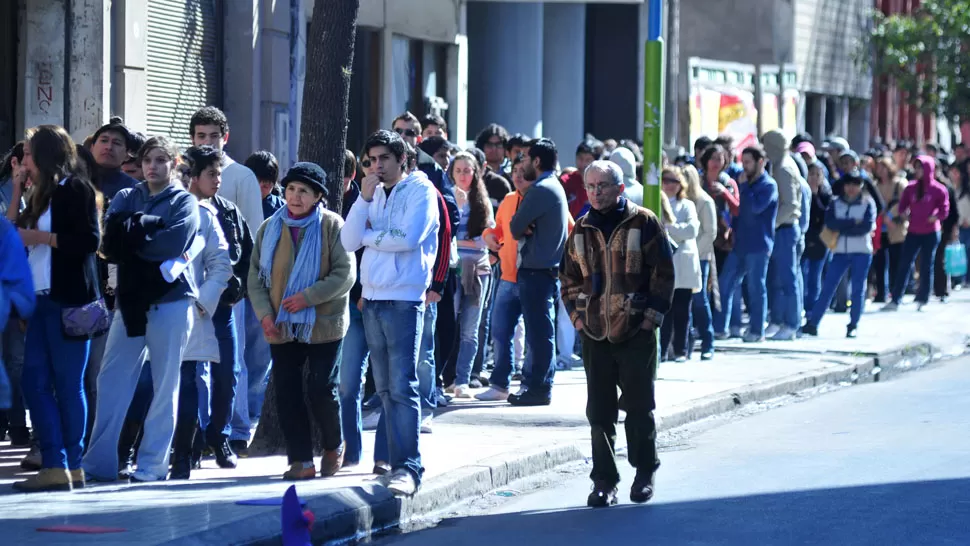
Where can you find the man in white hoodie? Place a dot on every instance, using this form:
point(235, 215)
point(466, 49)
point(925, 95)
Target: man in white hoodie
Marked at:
point(396, 221)
point(210, 127)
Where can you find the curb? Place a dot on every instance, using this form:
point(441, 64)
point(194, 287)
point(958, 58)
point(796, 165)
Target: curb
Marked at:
point(355, 513)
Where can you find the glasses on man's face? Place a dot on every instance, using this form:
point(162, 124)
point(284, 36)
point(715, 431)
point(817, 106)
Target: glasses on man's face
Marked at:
point(597, 189)
point(405, 132)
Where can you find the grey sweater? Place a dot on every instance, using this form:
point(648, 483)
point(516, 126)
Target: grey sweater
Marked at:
point(544, 209)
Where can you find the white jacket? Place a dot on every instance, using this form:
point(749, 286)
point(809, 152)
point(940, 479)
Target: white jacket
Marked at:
point(684, 230)
point(401, 241)
point(212, 271)
point(240, 186)
point(707, 214)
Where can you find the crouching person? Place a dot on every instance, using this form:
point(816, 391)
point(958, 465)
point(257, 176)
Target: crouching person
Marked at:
point(300, 277)
point(617, 283)
point(146, 228)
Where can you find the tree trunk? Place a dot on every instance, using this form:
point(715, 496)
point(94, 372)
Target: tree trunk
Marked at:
point(323, 138)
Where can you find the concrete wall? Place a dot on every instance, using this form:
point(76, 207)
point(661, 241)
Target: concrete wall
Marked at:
point(42, 93)
point(434, 20)
point(89, 67)
point(128, 59)
point(564, 76)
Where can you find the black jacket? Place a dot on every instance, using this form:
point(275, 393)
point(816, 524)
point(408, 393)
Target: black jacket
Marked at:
point(75, 279)
point(240, 240)
point(430, 167)
point(814, 247)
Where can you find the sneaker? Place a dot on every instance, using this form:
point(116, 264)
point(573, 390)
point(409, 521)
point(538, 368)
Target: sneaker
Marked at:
point(891, 306)
point(381, 468)
point(32, 461)
point(530, 398)
point(493, 394)
point(851, 332)
point(475, 383)
point(642, 490)
point(721, 336)
point(450, 389)
point(181, 469)
point(603, 495)
point(402, 483)
point(77, 478)
point(461, 391)
point(517, 376)
point(48, 479)
point(371, 419)
point(680, 359)
point(810, 329)
point(772, 329)
point(784, 334)
point(331, 462)
point(753, 338)
point(225, 458)
point(240, 448)
point(300, 471)
point(426, 424)
point(707, 356)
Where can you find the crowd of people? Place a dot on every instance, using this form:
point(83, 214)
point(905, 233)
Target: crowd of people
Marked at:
point(152, 292)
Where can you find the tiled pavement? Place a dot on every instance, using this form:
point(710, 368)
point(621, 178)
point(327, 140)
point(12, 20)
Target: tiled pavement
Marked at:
point(464, 434)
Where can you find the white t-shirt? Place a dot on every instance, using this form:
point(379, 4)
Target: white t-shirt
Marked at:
point(39, 256)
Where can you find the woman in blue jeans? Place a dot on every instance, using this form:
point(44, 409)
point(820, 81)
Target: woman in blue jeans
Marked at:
point(476, 273)
point(61, 231)
point(853, 216)
point(816, 254)
point(701, 303)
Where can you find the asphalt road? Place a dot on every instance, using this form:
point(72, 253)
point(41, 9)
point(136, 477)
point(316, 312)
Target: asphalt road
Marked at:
point(880, 464)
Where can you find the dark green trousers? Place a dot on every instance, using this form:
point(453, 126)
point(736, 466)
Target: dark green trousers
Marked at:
point(631, 365)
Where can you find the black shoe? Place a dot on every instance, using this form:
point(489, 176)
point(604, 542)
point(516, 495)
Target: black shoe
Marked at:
point(372, 403)
point(517, 376)
point(642, 490)
point(530, 398)
point(810, 329)
point(19, 436)
point(603, 495)
point(240, 448)
point(475, 383)
point(850, 332)
point(225, 458)
point(181, 469)
point(483, 380)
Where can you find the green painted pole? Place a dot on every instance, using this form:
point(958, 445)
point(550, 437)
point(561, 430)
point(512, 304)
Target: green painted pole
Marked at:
point(653, 109)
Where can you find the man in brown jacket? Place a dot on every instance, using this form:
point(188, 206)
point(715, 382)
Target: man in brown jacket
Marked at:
point(617, 283)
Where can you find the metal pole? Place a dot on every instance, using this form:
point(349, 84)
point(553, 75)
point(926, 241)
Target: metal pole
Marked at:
point(653, 108)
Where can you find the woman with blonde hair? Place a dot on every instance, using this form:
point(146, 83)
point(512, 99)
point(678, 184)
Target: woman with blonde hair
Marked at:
point(60, 228)
point(701, 301)
point(891, 228)
point(682, 227)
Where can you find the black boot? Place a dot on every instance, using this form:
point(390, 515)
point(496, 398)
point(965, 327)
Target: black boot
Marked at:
point(182, 445)
point(225, 457)
point(642, 490)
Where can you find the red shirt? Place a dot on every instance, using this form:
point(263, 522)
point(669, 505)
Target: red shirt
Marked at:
point(576, 196)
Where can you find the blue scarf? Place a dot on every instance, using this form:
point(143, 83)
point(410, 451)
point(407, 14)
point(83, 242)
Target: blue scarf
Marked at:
point(306, 266)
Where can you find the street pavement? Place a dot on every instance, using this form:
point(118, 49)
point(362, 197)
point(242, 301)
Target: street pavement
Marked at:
point(475, 446)
point(884, 463)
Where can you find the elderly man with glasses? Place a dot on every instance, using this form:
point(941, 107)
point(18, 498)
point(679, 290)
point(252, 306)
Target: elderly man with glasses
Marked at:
point(617, 283)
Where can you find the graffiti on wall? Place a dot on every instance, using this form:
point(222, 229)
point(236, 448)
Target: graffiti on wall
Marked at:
point(44, 93)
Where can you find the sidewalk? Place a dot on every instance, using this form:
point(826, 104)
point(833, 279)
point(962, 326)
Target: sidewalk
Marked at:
point(475, 446)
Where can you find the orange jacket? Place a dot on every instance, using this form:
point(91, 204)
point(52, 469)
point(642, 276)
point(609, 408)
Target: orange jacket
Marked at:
point(508, 254)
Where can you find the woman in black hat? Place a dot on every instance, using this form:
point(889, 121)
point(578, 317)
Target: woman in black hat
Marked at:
point(299, 281)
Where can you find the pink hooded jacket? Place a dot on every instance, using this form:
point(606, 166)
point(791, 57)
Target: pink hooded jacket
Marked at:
point(935, 201)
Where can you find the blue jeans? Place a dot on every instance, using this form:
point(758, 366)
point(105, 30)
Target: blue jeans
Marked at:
point(858, 266)
point(784, 284)
point(254, 363)
point(53, 386)
point(222, 377)
point(506, 311)
point(426, 381)
point(752, 269)
point(812, 273)
point(925, 245)
point(353, 369)
point(701, 303)
point(469, 309)
point(393, 331)
point(12, 357)
point(539, 296)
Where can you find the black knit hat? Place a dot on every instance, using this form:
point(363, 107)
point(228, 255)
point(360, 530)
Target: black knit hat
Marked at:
point(308, 173)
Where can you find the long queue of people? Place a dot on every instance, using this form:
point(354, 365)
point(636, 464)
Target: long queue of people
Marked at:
point(159, 288)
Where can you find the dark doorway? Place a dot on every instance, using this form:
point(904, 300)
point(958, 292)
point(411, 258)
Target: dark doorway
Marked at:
point(9, 35)
point(611, 70)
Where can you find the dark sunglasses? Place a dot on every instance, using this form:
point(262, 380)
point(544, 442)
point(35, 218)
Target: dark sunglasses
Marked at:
point(365, 163)
point(406, 132)
point(671, 181)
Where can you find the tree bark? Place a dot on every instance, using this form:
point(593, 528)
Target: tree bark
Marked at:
point(323, 138)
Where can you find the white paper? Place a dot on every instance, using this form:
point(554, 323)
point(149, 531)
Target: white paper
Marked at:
point(171, 269)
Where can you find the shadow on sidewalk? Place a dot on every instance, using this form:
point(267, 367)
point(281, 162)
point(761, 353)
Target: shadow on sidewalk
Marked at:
point(928, 512)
